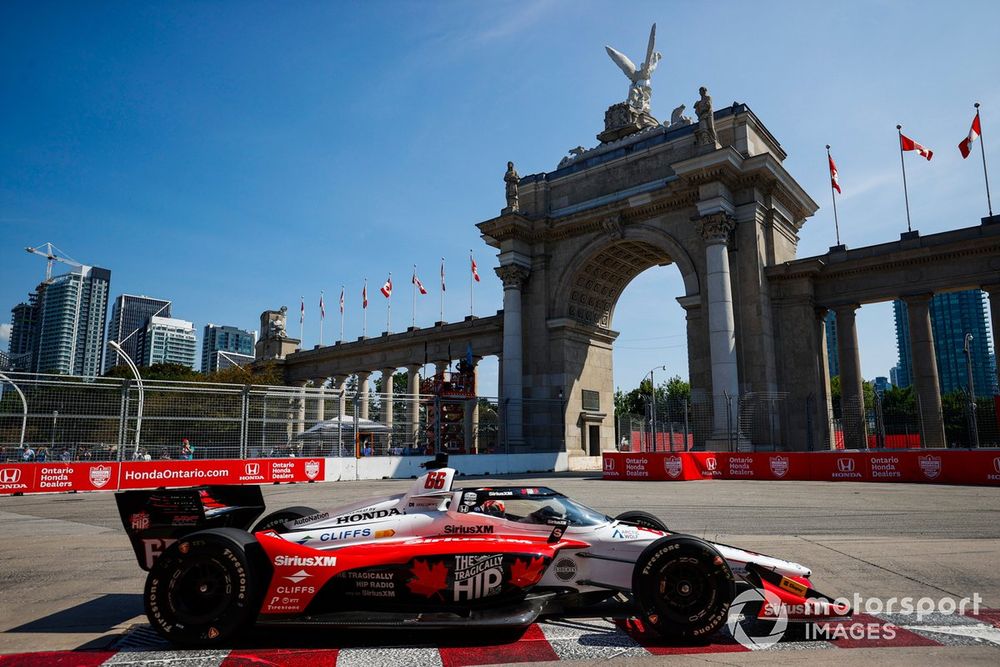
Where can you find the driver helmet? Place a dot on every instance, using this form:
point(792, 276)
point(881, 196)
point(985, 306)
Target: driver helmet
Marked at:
point(493, 507)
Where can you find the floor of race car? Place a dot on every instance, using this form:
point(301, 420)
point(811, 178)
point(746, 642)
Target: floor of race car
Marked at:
point(585, 639)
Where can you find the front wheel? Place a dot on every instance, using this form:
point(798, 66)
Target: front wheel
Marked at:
point(202, 590)
point(642, 519)
point(683, 588)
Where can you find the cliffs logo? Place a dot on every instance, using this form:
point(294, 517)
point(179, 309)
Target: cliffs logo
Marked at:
point(312, 469)
point(100, 476)
point(609, 464)
point(779, 465)
point(673, 466)
point(930, 466)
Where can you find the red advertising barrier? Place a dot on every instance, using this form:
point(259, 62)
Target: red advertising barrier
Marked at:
point(971, 467)
point(113, 476)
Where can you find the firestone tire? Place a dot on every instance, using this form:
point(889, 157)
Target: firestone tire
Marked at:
point(683, 588)
point(642, 519)
point(276, 520)
point(204, 589)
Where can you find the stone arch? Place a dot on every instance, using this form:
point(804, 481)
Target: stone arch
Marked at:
point(591, 284)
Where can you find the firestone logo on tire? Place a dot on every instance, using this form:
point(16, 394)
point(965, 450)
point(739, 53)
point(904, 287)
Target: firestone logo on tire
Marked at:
point(100, 476)
point(673, 465)
point(779, 465)
point(930, 466)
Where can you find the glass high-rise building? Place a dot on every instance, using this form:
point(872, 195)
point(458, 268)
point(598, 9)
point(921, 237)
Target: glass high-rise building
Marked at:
point(953, 314)
point(129, 317)
point(24, 332)
point(69, 322)
point(166, 340)
point(237, 343)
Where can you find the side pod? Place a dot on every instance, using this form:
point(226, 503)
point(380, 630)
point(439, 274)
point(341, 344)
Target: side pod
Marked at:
point(154, 520)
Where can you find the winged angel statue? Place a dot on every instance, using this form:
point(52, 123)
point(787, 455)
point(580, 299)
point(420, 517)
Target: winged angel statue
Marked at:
point(641, 89)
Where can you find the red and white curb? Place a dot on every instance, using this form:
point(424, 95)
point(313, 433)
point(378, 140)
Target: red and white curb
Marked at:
point(565, 639)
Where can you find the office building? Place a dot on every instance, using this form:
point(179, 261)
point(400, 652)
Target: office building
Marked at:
point(68, 326)
point(166, 340)
point(953, 314)
point(881, 383)
point(833, 357)
point(894, 376)
point(129, 317)
point(24, 332)
point(236, 343)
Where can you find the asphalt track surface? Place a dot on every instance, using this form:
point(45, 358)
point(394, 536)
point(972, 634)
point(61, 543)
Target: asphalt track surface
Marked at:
point(69, 581)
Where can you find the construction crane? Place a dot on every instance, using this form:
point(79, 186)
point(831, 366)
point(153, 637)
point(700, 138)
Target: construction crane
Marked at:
point(48, 251)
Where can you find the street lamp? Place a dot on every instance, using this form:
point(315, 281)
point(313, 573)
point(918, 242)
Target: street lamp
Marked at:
point(142, 393)
point(973, 424)
point(24, 404)
point(652, 385)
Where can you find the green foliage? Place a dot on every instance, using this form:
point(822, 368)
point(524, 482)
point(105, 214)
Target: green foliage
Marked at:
point(672, 391)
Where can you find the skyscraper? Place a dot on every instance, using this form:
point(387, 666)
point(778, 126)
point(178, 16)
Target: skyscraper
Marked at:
point(129, 317)
point(235, 342)
point(69, 322)
point(24, 333)
point(833, 356)
point(166, 340)
point(953, 314)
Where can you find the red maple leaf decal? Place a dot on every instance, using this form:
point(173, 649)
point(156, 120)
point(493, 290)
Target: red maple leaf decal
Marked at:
point(524, 574)
point(428, 579)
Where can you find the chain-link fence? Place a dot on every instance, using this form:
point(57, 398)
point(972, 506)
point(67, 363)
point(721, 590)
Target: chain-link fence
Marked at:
point(71, 419)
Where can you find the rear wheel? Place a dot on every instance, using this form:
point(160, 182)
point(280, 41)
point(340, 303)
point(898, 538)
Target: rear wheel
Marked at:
point(642, 519)
point(276, 520)
point(203, 589)
point(683, 588)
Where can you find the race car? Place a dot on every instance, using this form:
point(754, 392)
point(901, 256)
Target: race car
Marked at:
point(438, 557)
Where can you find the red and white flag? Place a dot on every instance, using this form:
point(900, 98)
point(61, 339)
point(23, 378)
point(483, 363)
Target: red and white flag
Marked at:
point(834, 175)
point(322, 309)
point(974, 132)
point(442, 275)
point(302, 310)
point(387, 288)
point(475, 270)
point(364, 295)
point(907, 144)
point(341, 300)
point(420, 285)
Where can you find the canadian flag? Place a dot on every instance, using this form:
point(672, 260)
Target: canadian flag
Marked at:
point(322, 309)
point(442, 275)
point(341, 300)
point(834, 175)
point(302, 310)
point(387, 288)
point(974, 132)
point(907, 144)
point(420, 285)
point(364, 295)
point(475, 270)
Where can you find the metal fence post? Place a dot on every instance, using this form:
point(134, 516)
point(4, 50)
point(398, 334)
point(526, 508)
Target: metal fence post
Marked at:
point(244, 421)
point(123, 418)
point(686, 427)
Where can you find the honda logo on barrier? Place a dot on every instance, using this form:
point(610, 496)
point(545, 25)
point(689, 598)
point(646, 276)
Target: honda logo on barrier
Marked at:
point(253, 469)
point(609, 464)
point(711, 463)
point(930, 466)
point(845, 465)
point(673, 465)
point(779, 465)
point(10, 476)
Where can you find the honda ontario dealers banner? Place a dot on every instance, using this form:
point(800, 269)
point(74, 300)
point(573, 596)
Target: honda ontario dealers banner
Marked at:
point(979, 467)
point(113, 476)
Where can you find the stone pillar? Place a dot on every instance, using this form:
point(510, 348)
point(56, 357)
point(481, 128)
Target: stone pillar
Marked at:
point(363, 394)
point(925, 372)
point(994, 293)
point(413, 406)
point(340, 384)
point(300, 408)
point(716, 229)
point(387, 398)
point(512, 386)
point(320, 399)
point(441, 367)
point(852, 397)
point(471, 416)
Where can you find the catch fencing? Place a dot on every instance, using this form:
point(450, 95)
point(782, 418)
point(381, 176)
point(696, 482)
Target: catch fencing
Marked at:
point(111, 419)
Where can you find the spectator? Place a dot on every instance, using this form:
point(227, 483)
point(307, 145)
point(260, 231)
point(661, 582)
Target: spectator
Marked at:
point(623, 445)
point(366, 447)
point(43, 455)
point(28, 454)
point(65, 456)
point(187, 451)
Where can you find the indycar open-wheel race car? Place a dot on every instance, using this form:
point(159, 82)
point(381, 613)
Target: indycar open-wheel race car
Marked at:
point(437, 557)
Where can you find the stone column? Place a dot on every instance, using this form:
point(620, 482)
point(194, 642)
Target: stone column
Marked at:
point(300, 408)
point(512, 386)
point(413, 407)
point(852, 397)
point(925, 372)
point(363, 393)
point(340, 384)
point(320, 399)
point(994, 293)
point(441, 367)
point(387, 398)
point(471, 416)
point(716, 229)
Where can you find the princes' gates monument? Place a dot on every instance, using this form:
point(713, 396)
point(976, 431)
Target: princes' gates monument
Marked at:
point(711, 196)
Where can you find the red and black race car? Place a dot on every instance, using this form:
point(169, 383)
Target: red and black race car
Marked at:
point(437, 557)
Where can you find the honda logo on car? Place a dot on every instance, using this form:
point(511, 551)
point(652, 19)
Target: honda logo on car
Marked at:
point(367, 516)
point(305, 561)
point(673, 466)
point(636, 467)
point(845, 469)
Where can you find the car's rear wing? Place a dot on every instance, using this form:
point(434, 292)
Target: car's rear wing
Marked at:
point(156, 519)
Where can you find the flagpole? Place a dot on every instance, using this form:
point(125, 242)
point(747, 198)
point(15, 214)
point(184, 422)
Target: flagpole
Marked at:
point(388, 308)
point(302, 318)
point(322, 316)
point(982, 150)
point(413, 288)
point(902, 162)
point(364, 307)
point(836, 222)
point(341, 313)
point(472, 282)
point(442, 290)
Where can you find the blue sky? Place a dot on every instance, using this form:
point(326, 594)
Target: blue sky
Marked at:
point(232, 156)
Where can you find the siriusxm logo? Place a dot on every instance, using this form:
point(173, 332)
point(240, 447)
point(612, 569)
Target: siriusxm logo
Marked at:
point(306, 561)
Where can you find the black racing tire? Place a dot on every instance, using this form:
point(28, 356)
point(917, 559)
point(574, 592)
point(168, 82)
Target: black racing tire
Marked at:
point(205, 589)
point(683, 588)
point(642, 519)
point(276, 520)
